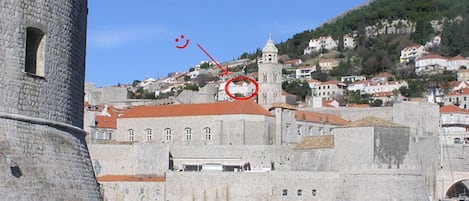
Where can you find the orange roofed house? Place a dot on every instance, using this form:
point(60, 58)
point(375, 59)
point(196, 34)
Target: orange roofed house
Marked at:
point(222, 123)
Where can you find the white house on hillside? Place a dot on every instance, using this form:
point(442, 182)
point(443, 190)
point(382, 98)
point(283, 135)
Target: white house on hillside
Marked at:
point(430, 63)
point(349, 42)
point(435, 63)
point(328, 64)
point(329, 89)
point(410, 53)
point(240, 88)
point(318, 44)
point(305, 72)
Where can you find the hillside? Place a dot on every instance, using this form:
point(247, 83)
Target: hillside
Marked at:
point(416, 22)
point(421, 12)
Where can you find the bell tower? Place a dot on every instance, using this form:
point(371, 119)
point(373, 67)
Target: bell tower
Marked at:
point(270, 76)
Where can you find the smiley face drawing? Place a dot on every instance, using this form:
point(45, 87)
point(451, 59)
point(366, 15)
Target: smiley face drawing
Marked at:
point(185, 44)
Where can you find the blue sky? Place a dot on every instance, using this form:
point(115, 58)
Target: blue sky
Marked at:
point(134, 40)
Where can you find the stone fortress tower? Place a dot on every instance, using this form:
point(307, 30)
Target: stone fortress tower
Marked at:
point(43, 153)
point(270, 76)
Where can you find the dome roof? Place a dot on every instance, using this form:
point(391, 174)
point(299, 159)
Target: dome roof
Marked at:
point(270, 46)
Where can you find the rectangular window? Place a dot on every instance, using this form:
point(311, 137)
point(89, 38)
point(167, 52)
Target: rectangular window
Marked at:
point(157, 192)
point(126, 191)
point(35, 51)
point(168, 134)
point(313, 192)
point(188, 134)
point(300, 192)
point(310, 130)
point(300, 127)
point(285, 192)
point(142, 191)
point(288, 128)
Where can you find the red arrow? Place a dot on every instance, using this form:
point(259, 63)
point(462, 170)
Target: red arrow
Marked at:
point(224, 71)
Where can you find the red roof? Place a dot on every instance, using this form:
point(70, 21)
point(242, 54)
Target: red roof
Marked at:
point(431, 56)
point(463, 91)
point(452, 109)
point(219, 108)
point(383, 94)
point(107, 121)
point(131, 178)
point(412, 46)
point(327, 103)
point(457, 58)
point(358, 105)
point(319, 118)
point(293, 61)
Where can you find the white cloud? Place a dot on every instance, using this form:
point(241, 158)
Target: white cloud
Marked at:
point(115, 37)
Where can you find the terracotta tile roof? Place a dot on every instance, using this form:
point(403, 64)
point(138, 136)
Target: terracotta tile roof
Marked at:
point(132, 178)
point(452, 109)
point(219, 108)
point(328, 103)
point(358, 105)
point(316, 142)
point(360, 82)
point(319, 118)
point(283, 105)
point(383, 94)
point(453, 84)
point(463, 91)
point(411, 47)
point(284, 93)
point(372, 122)
point(431, 56)
point(293, 61)
point(459, 57)
point(108, 121)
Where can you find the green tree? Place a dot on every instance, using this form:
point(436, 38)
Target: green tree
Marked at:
point(191, 87)
point(300, 88)
point(205, 65)
point(319, 75)
point(376, 103)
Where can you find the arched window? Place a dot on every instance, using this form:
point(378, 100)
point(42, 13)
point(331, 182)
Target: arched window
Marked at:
point(208, 134)
point(168, 134)
point(264, 77)
point(275, 77)
point(131, 135)
point(149, 134)
point(188, 132)
point(457, 141)
point(35, 51)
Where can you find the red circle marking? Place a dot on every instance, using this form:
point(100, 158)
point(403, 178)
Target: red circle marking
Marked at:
point(242, 78)
point(177, 40)
point(182, 36)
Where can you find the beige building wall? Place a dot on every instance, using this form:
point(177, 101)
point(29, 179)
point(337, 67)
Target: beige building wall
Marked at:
point(224, 129)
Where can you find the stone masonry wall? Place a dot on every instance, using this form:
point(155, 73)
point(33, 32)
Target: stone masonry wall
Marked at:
point(43, 153)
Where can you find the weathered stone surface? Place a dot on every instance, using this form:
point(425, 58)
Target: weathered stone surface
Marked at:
point(43, 154)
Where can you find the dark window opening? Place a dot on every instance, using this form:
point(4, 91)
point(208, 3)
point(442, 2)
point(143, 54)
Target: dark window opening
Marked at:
point(35, 52)
point(16, 171)
point(285, 192)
